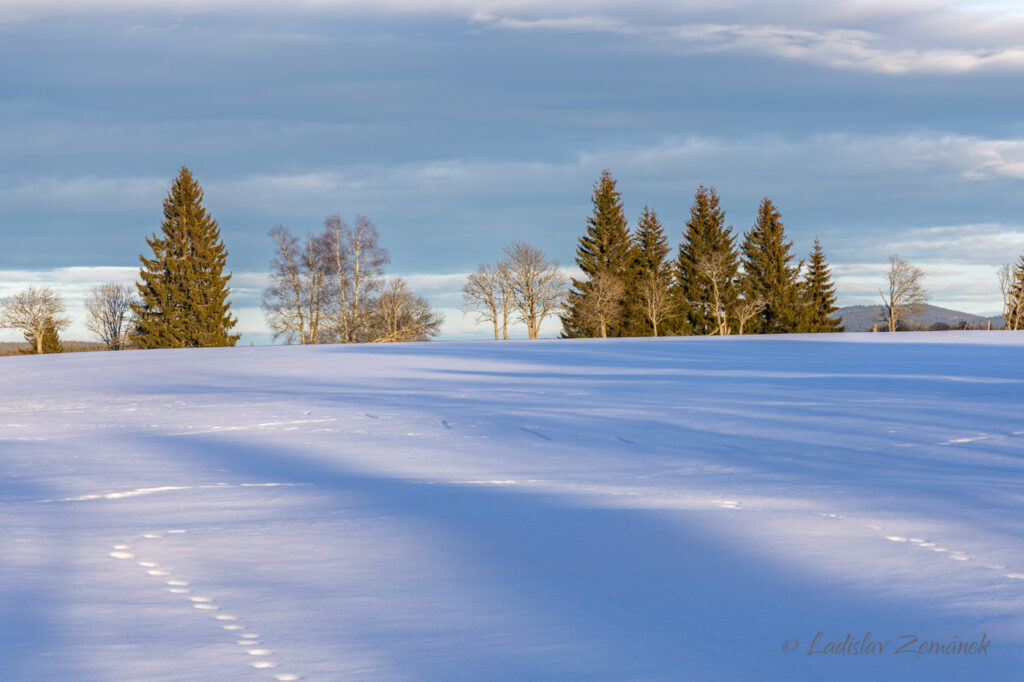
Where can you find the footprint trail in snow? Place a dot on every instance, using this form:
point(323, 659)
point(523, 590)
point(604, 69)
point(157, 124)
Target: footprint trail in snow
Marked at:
point(249, 641)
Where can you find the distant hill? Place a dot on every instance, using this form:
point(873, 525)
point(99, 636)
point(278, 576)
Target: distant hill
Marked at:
point(860, 318)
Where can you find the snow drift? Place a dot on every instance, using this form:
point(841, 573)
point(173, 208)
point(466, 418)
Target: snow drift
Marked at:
point(753, 508)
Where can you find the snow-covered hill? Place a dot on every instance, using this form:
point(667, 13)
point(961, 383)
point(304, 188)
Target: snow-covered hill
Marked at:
point(646, 509)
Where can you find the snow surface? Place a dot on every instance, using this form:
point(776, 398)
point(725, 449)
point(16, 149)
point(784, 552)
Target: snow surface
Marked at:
point(642, 509)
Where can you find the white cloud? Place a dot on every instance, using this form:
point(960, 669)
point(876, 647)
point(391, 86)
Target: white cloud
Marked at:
point(922, 36)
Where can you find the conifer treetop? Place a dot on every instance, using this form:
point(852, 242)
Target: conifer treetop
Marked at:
point(820, 293)
point(183, 290)
point(769, 275)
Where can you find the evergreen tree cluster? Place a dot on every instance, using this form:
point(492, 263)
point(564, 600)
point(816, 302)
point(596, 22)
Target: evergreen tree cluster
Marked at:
point(712, 286)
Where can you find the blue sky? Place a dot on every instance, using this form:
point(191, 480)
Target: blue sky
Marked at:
point(459, 126)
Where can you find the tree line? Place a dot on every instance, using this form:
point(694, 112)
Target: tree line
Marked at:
point(331, 287)
point(633, 285)
point(328, 289)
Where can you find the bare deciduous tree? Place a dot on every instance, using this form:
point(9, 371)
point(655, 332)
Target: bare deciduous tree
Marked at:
point(655, 299)
point(111, 317)
point(401, 315)
point(906, 297)
point(33, 311)
point(357, 264)
point(299, 289)
point(715, 266)
point(538, 286)
point(487, 294)
point(1011, 284)
point(603, 303)
point(747, 308)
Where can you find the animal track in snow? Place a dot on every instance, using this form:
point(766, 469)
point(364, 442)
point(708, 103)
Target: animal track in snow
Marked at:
point(249, 640)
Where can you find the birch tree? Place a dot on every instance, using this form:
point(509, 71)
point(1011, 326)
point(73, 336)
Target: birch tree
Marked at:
point(110, 314)
point(603, 306)
point(716, 269)
point(1011, 284)
point(655, 299)
point(299, 291)
point(487, 294)
point(357, 263)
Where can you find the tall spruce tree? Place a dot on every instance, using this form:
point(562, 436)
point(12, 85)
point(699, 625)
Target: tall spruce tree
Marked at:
point(769, 276)
point(604, 248)
point(651, 281)
point(51, 341)
point(183, 294)
point(706, 268)
point(819, 293)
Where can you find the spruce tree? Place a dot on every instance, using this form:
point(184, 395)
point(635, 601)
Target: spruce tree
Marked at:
point(651, 280)
point(604, 248)
point(769, 276)
point(819, 293)
point(706, 267)
point(51, 341)
point(184, 291)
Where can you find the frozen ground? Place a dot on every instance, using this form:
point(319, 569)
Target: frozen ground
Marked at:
point(671, 509)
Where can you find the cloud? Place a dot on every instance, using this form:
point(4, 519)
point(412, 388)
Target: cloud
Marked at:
point(923, 36)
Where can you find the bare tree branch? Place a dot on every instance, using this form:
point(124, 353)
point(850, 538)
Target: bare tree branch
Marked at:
point(1011, 284)
point(538, 286)
point(487, 294)
point(747, 309)
point(299, 290)
point(32, 311)
point(716, 268)
point(357, 262)
point(906, 297)
point(401, 315)
point(603, 303)
point(655, 299)
point(111, 317)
